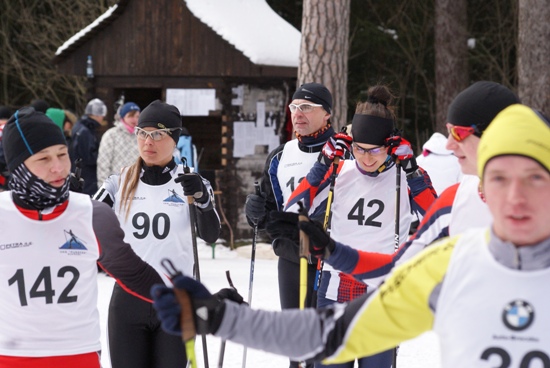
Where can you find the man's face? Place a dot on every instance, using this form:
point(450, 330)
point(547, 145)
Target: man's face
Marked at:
point(517, 191)
point(466, 152)
point(310, 122)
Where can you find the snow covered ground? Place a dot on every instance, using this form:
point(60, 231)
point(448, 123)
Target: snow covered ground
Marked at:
point(422, 352)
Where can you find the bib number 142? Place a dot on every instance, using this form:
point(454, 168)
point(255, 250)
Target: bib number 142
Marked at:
point(42, 286)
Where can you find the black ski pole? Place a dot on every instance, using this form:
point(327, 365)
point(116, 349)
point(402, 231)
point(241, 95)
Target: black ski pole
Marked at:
point(397, 215)
point(222, 347)
point(252, 261)
point(197, 272)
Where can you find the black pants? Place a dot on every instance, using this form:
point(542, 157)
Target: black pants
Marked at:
point(136, 339)
point(289, 288)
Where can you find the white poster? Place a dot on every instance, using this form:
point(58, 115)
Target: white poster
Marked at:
point(192, 102)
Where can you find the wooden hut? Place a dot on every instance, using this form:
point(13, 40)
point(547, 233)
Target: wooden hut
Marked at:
point(229, 66)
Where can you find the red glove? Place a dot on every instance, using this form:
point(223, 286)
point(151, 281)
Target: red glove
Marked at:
point(336, 146)
point(401, 150)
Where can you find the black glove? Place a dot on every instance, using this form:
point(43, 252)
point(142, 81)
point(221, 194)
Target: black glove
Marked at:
point(320, 243)
point(193, 186)
point(75, 184)
point(283, 225)
point(401, 150)
point(169, 310)
point(254, 208)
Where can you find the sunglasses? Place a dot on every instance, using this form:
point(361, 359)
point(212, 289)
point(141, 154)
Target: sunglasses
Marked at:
point(372, 151)
point(156, 135)
point(305, 107)
point(460, 133)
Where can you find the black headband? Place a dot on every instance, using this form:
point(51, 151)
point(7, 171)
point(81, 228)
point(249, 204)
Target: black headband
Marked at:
point(371, 129)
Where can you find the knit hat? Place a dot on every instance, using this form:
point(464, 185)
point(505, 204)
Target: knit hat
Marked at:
point(517, 130)
point(5, 112)
point(57, 116)
point(26, 133)
point(316, 93)
point(96, 107)
point(161, 115)
point(371, 129)
point(479, 104)
point(127, 107)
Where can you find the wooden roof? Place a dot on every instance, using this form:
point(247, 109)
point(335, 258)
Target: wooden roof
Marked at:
point(157, 38)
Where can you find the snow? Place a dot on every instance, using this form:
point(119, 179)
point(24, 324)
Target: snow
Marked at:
point(422, 352)
point(86, 30)
point(253, 28)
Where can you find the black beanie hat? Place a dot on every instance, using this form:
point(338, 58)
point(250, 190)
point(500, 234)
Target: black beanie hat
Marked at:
point(316, 93)
point(28, 132)
point(161, 115)
point(40, 105)
point(479, 104)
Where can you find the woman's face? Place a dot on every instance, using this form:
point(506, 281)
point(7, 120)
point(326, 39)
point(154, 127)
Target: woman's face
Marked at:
point(368, 156)
point(52, 165)
point(155, 152)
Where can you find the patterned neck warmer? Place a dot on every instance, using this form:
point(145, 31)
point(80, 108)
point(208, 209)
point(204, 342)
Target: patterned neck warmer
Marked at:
point(388, 164)
point(320, 136)
point(35, 192)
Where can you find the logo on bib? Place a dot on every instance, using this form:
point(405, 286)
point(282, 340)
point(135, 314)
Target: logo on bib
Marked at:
point(518, 315)
point(173, 197)
point(72, 242)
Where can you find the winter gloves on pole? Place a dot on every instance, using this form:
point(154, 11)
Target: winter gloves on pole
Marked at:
point(336, 146)
point(320, 243)
point(207, 309)
point(284, 227)
point(401, 152)
point(255, 210)
point(193, 186)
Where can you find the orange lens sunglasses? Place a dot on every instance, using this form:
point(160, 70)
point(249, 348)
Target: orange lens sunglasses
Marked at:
point(460, 133)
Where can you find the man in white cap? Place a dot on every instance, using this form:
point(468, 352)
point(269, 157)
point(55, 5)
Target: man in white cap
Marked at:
point(85, 143)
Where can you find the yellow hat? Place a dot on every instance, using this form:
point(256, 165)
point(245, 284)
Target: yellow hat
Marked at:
point(516, 130)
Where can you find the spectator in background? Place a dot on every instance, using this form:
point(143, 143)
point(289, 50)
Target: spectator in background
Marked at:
point(5, 114)
point(40, 105)
point(118, 147)
point(186, 149)
point(64, 119)
point(85, 143)
point(440, 163)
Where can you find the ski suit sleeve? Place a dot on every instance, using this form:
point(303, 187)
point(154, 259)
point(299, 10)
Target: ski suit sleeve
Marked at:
point(369, 265)
point(421, 192)
point(208, 221)
point(106, 193)
point(313, 184)
point(269, 186)
point(117, 258)
point(398, 311)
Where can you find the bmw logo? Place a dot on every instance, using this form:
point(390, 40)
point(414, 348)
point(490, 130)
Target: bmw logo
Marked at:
point(518, 315)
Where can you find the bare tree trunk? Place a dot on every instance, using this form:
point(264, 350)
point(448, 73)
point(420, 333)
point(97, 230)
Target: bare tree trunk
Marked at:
point(451, 55)
point(324, 51)
point(534, 54)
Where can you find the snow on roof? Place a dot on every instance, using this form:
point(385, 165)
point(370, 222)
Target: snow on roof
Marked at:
point(253, 28)
point(86, 30)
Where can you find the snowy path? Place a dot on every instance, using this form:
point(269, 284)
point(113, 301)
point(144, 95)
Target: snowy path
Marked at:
point(422, 352)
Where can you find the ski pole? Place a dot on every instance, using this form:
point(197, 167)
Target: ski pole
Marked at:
point(188, 331)
point(197, 272)
point(396, 236)
point(304, 253)
point(252, 261)
point(326, 221)
point(222, 347)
